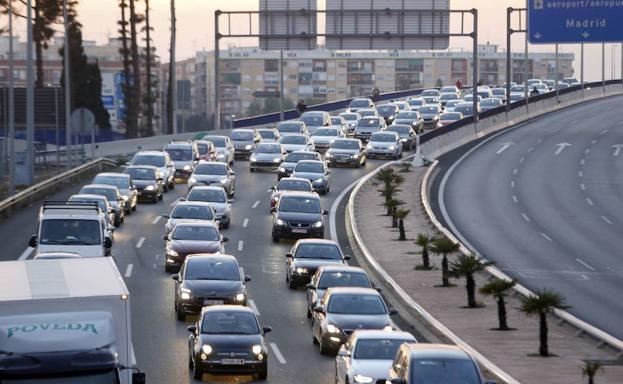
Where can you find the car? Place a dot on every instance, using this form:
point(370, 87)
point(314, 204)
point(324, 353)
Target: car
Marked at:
point(551, 84)
point(450, 89)
point(346, 152)
point(189, 211)
point(351, 119)
point(360, 103)
point(569, 81)
point(368, 125)
point(470, 97)
point(430, 92)
point(434, 363)
point(218, 199)
point(402, 105)
point(316, 172)
point(369, 112)
point(465, 108)
point(113, 196)
point(340, 123)
point(244, 141)
point(490, 103)
point(516, 96)
point(563, 86)
point(190, 238)
point(292, 127)
point(56, 256)
point(315, 119)
point(407, 135)
point(540, 88)
point(184, 155)
point(332, 276)
point(384, 144)
point(430, 115)
point(449, 118)
point(228, 340)
point(388, 112)
point(431, 100)
point(214, 173)
point(323, 137)
point(532, 82)
point(298, 215)
point(307, 255)
point(106, 209)
point(288, 164)
point(267, 156)
point(484, 92)
point(268, 135)
point(445, 97)
point(224, 148)
point(207, 150)
point(160, 160)
point(343, 310)
point(500, 93)
point(415, 102)
point(124, 183)
point(451, 104)
point(298, 142)
point(288, 184)
point(518, 89)
point(411, 118)
point(367, 356)
point(148, 182)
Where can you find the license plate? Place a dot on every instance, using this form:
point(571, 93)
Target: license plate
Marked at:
point(341, 160)
point(213, 302)
point(299, 230)
point(232, 361)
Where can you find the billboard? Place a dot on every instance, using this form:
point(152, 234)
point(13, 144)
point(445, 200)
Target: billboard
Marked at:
point(394, 19)
point(287, 17)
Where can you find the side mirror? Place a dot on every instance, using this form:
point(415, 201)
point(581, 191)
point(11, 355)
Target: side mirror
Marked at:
point(225, 239)
point(107, 242)
point(491, 382)
point(267, 329)
point(133, 187)
point(289, 255)
point(319, 309)
point(343, 352)
point(138, 378)
point(325, 212)
point(347, 257)
point(378, 289)
point(192, 328)
point(176, 277)
point(247, 278)
point(182, 199)
point(159, 179)
point(166, 216)
point(393, 311)
point(273, 188)
point(33, 241)
point(310, 286)
point(230, 200)
point(165, 237)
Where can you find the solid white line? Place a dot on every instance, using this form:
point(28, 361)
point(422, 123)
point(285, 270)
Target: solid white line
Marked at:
point(512, 184)
point(26, 253)
point(583, 187)
point(603, 132)
point(525, 217)
point(128, 270)
point(522, 159)
point(140, 242)
point(240, 245)
point(515, 199)
point(594, 142)
point(585, 264)
point(255, 204)
point(156, 220)
point(606, 220)
point(245, 222)
point(546, 237)
point(589, 201)
point(254, 307)
point(278, 354)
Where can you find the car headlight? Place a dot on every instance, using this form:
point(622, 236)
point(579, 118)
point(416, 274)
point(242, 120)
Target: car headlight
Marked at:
point(206, 348)
point(361, 379)
point(388, 328)
point(282, 169)
point(332, 329)
point(280, 222)
point(319, 180)
point(172, 253)
point(124, 197)
point(150, 188)
point(301, 271)
point(331, 141)
point(318, 224)
point(257, 349)
point(391, 147)
point(403, 140)
point(253, 159)
point(187, 167)
point(328, 155)
point(220, 155)
point(369, 146)
point(192, 180)
point(223, 181)
point(248, 147)
point(355, 156)
point(239, 297)
point(276, 160)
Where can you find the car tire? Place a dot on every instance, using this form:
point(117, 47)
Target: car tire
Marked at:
point(197, 372)
point(291, 284)
point(323, 350)
point(309, 314)
point(262, 375)
point(172, 185)
point(160, 196)
point(166, 187)
point(168, 269)
point(226, 225)
point(314, 340)
point(275, 239)
point(252, 169)
point(117, 221)
point(134, 207)
point(191, 364)
point(179, 315)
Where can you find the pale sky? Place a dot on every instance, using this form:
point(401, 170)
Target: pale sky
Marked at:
point(196, 28)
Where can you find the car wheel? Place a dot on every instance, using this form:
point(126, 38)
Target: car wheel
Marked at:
point(314, 340)
point(197, 372)
point(168, 269)
point(117, 221)
point(309, 314)
point(291, 284)
point(252, 169)
point(190, 359)
point(166, 187)
point(226, 225)
point(322, 347)
point(179, 315)
point(160, 196)
point(275, 239)
point(172, 185)
point(134, 206)
point(263, 374)
point(154, 199)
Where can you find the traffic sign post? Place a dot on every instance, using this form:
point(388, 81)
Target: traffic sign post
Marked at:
point(574, 21)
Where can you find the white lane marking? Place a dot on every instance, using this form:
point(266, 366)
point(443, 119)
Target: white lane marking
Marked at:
point(525, 217)
point(546, 237)
point(512, 184)
point(245, 222)
point(156, 220)
point(580, 173)
point(606, 220)
point(255, 204)
point(254, 307)
point(561, 147)
point(617, 149)
point(619, 123)
point(140, 242)
point(589, 201)
point(128, 270)
point(585, 264)
point(583, 187)
point(515, 171)
point(584, 277)
point(174, 202)
point(522, 159)
point(26, 253)
point(515, 199)
point(594, 142)
point(582, 162)
point(553, 131)
point(240, 245)
point(504, 147)
point(603, 132)
point(530, 149)
point(522, 274)
point(539, 141)
point(587, 151)
point(277, 353)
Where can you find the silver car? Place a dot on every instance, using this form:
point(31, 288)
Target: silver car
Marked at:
point(384, 144)
point(340, 123)
point(267, 156)
point(160, 160)
point(217, 197)
point(123, 182)
point(351, 119)
point(292, 159)
point(286, 128)
point(245, 141)
point(298, 142)
point(315, 119)
point(316, 172)
point(224, 148)
point(324, 137)
point(269, 135)
point(185, 211)
point(208, 173)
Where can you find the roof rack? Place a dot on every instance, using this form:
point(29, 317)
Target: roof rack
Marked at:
point(64, 205)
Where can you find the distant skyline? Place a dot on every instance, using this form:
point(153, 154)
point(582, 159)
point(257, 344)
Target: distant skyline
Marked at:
point(195, 28)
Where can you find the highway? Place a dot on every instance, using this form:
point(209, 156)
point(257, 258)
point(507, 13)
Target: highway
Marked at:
point(544, 202)
point(160, 340)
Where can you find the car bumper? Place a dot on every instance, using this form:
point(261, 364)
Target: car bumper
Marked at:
point(333, 341)
point(430, 123)
point(194, 305)
point(298, 233)
point(362, 136)
point(248, 368)
point(300, 279)
point(146, 195)
point(182, 174)
point(287, 173)
point(381, 153)
point(242, 153)
point(336, 161)
point(271, 166)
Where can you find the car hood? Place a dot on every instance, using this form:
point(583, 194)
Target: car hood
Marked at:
point(172, 222)
point(308, 176)
point(314, 263)
point(335, 151)
point(323, 139)
point(367, 129)
point(380, 144)
point(376, 369)
point(218, 286)
point(288, 166)
point(405, 121)
point(82, 250)
point(294, 147)
point(428, 116)
point(222, 344)
point(358, 321)
point(194, 246)
point(208, 179)
point(140, 184)
point(299, 217)
point(180, 164)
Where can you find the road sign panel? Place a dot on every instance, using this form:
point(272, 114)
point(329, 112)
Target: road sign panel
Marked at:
point(575, 21)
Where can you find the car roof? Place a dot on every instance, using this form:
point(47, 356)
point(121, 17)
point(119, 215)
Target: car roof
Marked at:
point(301, 194)
point(227, 308)
point(208, 187)
point(353, 290)
point(381, 334)
point(196, 223)
point(150, 153)
point(381, 133)
point(214, 136)
point(294, 179)
point(107, 186)
point(199, 203)
point(347, 139)
point(179, 144)
point(315, 241)
point(242, 130)
point(301, 152)
point(221, 163)
point(296, 135)
point(396, 126)
point(201, 257)
point(113, 174)
point(432, 351)
point(310, 161)
point(152, 167)
point(341, 268)
point(88, 196)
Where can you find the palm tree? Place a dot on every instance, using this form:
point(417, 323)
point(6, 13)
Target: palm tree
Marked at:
point(590, 369)
point(401, 213)
point(499, 288)
point(392, 205)
point(444, 246)
point(425, 241)
point(389, 193)
point(467, 267)
point(542, 303)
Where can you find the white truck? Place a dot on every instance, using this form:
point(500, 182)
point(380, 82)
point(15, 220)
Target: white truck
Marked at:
point(65, 321)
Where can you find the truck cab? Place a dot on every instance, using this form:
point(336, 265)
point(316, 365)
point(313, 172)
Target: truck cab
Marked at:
point(69, 226)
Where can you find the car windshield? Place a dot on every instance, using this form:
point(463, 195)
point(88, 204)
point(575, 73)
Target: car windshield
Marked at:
point(383, 138)
point(70, 232)
point(155, 160)
point(451, 116)
point(359, 104)
point(345, 144)
point(447, 89)
point(428, 110)
point(207, 195)
point(386, 109)
point(241, 136)
point(110, 194)
point(210, 268)
point(326, 132)
point(447, 371)
point(406, 115)
point(311, 120)
point(499, 92)
point(267, 134)
point(180, 154)
point(517, 88)
point(318, 251)
point(401, 106)
point(452, 103)
point(368, 123)
point(343, 279)
point(415, 102)
point(349, 116)
point(309, 167)
point(430, 92)
point(218, 142)
point(211, 169)
point(491, 102)
point(268, 148)
point(98, 377)
point(378, 349)
point(100, 202)
point(192, 212)
point(203, 148)
point(293, 139)
point(195, 232)
point(336, 121)
point(448, 96)
point(367, 112)
point(141, 173)
point(118, 181)
point(465, 109)
point(356, 304)
point(230, 323)
point(299, 205)
point(294, 185)
point(401, 130)
point(289, 128)
point(296, 157)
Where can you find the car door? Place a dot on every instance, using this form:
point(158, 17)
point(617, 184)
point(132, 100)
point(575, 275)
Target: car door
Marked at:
point(343, 362)
point(318, 317)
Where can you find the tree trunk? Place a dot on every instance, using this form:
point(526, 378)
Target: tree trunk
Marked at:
point(425, 258)
point(543, 347)
point(136, 65)
point(502, 313)
point(394, 218)
point(445, 281)
point(401, 227)
point(591, 380)
point(470, 286)
point(149, 129)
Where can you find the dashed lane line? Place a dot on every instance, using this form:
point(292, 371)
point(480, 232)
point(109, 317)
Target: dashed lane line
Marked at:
point(583, 187)
point(156, 220)
point(140, 242)
point(546, 237)
point(255, 204)
point(580, 174)
point(525, 217)
point(594, 142)
point(512, 184)
point(26, 253)
point(603, 132)
point(128, 270)
point(515, 171)
point(245, 222)
point(589, 201)
point(515, 200)
point(587, 151)
point(278, 354)
point(604, 218)
point(240, 245)
point(174, 202)
point(585, 264)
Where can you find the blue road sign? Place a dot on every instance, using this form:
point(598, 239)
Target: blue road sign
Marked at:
point(575, 21)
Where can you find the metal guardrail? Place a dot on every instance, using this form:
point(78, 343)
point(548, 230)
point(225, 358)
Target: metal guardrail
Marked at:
point(29, 193)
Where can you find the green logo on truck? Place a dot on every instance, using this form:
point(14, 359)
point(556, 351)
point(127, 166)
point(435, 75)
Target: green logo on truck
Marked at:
point(33, 328)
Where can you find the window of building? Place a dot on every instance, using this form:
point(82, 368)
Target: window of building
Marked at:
point(459, 65)
point(320, 65)
point(271, 65)
point(409, 65)
point(292, 77)
point(305, 78)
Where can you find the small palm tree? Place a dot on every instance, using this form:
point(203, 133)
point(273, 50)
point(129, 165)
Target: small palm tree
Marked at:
point(467, 267)
point(392, 205)
point(425, 241)
point(389, 193)
point(590, 370)
point(499, 288)
point(401, 213)
point(542, 303)
point(444, 246)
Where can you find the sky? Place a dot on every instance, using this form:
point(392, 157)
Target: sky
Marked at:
point(195, 28)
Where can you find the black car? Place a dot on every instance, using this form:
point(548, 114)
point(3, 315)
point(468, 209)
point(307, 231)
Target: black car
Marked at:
point(388, 112)
point(206, 280)
point(148, 182)
point(309, 254)
point(190, 238)
point(298, 215)
point(346, 152)
point(331, 276)
point(228, 340)
point(406, 133)
point(411, 118)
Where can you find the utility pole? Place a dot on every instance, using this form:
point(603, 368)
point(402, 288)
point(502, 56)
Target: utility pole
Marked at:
point(11, 106)
point(67, 89)
point(556, 79)
point(173, 66)
point(30, 100)
point(281, 90)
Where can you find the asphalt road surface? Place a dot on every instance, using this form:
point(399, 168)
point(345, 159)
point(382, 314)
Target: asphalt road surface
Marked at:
point(545, 202)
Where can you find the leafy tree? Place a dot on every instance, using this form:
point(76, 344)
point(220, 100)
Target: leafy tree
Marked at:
point(401, 214)
point(255, 108)
point(542, 303)
point(590, 370)
point(272, 105)
point(467, 267)
point(444, 246)
point(499, 288)
point(425, 241)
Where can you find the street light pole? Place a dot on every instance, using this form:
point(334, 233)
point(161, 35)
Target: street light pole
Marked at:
point(68, 156)
point(30, 96)
point(11, 106)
